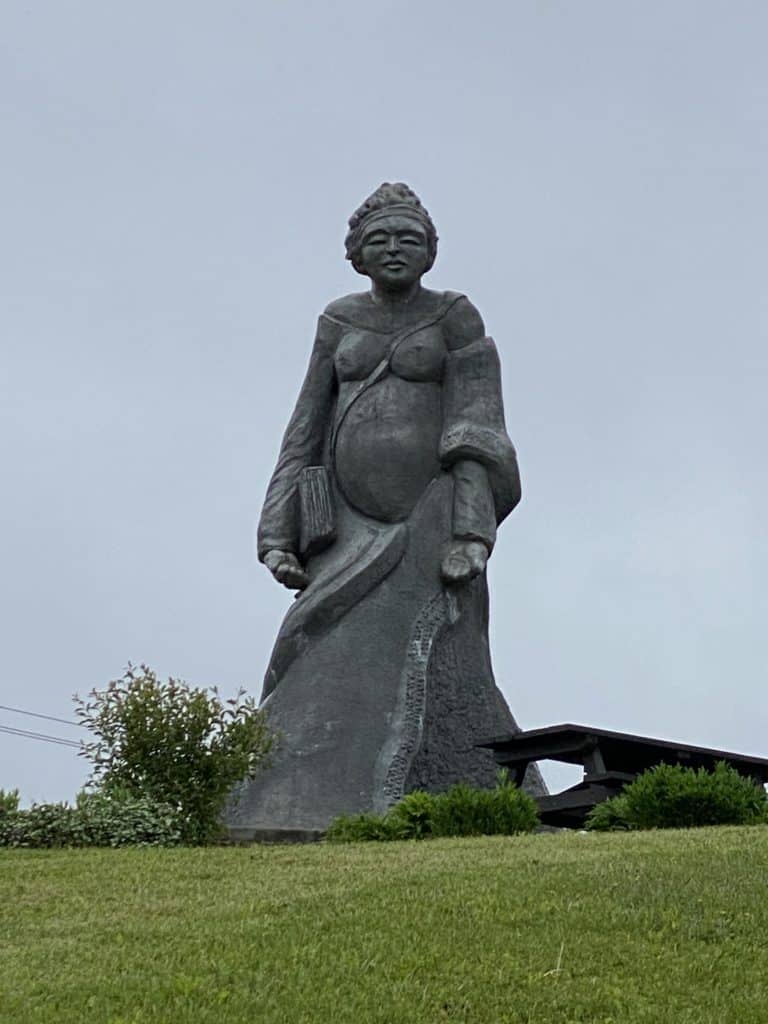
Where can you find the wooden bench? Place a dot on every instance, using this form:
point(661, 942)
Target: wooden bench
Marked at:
point(610, 761)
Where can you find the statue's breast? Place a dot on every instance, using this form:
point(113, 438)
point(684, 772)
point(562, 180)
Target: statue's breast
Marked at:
point(358, 353)
point(419, 356)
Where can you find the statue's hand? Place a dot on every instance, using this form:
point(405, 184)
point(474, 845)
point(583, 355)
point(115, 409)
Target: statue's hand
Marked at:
point(286, 569)
point(463, 560)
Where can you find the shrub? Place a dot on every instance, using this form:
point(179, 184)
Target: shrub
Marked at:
point(41, 826)
point(122, 819)
point(9, 801)
point(505, 810)
point(671, 796)
point(360, 828)
point(609, 816)
point(512, 809)
point(413, 817)
point(174, 744)
point(97, 819)
point(460, 811)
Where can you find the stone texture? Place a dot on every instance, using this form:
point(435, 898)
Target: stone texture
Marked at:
point(393, 475)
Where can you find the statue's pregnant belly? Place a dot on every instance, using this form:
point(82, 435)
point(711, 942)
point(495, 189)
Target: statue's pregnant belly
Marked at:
point(386, 447)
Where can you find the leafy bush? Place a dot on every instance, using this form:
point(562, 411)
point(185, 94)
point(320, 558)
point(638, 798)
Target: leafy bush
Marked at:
point(413, 816)
point(505, 810)
point(9, 801)
point(609, 816)
point(460, 811)
point(174, 744)
point(97, 819)
point(671, 796)
point(122, 819)
point(42, 825)
point(362, 828)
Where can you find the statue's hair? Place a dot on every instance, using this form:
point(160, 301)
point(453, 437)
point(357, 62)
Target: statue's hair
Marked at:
point(402, 200)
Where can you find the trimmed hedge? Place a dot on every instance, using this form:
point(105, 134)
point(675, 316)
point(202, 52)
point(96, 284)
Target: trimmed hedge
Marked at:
point(96, 820)
point(460, 811)
point(671, 796)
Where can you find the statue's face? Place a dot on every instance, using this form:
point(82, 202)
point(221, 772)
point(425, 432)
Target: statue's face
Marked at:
point(394, 251)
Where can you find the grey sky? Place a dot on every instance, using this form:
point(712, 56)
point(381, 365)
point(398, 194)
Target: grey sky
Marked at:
point(176, 179)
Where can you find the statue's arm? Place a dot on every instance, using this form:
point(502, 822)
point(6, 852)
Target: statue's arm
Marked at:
point(471, 444)
point(302, 445)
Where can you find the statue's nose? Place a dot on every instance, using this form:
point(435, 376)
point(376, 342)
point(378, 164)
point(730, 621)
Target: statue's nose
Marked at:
point(393, 244)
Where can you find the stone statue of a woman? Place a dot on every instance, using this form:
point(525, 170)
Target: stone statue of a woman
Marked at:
point(393, 475)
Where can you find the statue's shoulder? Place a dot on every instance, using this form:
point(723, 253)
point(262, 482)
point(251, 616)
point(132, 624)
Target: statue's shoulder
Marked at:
point(349, 309)
point(462, 323)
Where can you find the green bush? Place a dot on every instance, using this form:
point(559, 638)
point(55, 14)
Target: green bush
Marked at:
point(512, 810)
point(505, 810)
point(413, 816)
point(40, 826)
point(122, 819)
point(175, 745)
point(9, 801)
point(609, 816)
point(671, 796)
point(459, 811)
point(97, 819)
point(361, 828)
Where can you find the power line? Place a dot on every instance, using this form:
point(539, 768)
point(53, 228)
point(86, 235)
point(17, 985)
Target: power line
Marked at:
point(38, 736)
point(37, 714)
point(26, 734)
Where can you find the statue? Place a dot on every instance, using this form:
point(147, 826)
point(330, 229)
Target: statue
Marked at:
point(393, 475)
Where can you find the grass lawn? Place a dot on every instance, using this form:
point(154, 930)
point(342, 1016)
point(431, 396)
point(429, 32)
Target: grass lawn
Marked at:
point(652, 927)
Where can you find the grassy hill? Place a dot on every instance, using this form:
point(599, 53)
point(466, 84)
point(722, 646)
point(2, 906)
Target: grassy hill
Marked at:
point(652, 927)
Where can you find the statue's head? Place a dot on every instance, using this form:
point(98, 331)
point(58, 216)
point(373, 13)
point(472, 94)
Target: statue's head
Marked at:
point(391, 206)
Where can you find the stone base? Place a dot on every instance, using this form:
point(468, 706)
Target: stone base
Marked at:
point(275, 835)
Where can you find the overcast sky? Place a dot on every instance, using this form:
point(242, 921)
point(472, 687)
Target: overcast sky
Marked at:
point(176, 179)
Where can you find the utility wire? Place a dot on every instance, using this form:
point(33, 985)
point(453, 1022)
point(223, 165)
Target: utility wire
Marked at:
point(39, 736)
point(36, 714)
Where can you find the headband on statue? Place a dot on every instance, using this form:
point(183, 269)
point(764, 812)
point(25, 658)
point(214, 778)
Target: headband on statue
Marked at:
point(401, 209)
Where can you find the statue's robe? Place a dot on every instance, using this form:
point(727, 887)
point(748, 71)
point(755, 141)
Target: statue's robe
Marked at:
point(380, 681)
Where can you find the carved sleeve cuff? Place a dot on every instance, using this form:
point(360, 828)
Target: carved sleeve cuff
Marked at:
point(474, 514)
point(266, 544)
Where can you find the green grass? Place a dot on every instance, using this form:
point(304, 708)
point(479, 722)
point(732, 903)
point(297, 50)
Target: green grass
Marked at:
point(653, 927)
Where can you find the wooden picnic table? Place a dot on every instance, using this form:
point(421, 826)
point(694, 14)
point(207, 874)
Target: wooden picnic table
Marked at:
point(610, 760)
